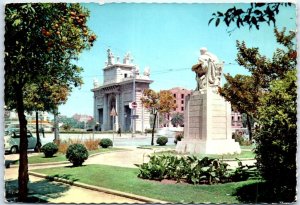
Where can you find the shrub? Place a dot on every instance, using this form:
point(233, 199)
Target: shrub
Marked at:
point(193, 170)
point(77, 154)
point(178, 137)
point(92, 144)
point(49, 149)
point(162, 140)
point(105, 143)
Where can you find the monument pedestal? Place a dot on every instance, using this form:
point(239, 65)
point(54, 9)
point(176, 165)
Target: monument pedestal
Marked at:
point(207, 125)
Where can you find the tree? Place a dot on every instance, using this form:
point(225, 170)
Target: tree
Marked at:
point(161, 102)
point(243, 93)
point(254, 15)
point(41, 43)
point(177, 119)
point(277, 137)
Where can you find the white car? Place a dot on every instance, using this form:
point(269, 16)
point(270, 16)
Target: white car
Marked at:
point(12, 141)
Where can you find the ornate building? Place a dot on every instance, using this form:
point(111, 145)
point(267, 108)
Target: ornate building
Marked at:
point(122, 85)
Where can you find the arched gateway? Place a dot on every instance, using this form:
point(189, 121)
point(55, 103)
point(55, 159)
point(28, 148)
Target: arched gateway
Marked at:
point(117, 91)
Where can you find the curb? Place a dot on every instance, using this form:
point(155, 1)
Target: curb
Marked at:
point(100, 189)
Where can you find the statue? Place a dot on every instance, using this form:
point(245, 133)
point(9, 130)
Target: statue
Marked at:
point(96, 83)
point(147, 71)
point(208, 70)
point(110, 57)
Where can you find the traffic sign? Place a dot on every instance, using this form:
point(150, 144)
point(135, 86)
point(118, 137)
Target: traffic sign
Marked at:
point(134, 116)
point(132, 105)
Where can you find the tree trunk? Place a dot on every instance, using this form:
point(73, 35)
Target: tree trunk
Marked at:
point(23, 159)
point(38, 141)
point(249, 127)
point(153, 128)
point(56, 133)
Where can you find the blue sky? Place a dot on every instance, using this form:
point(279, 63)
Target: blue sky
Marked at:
point(167, 38)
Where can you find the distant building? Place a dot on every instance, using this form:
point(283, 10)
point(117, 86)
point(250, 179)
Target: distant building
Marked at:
point(112, 99)
point(82, 118)
point(236, 121)
point(180, 95)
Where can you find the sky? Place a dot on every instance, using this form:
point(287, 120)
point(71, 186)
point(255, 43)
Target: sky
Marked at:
point(167, 38)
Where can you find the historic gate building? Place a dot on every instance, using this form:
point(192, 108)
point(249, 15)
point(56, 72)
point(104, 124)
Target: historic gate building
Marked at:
point(122, 85)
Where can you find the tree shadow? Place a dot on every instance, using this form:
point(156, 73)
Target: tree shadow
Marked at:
point(261, 192)
point(10, 162)
point(38, 191)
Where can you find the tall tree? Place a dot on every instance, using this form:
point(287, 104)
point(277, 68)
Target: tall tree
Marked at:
point(41, 43)
point(157, 102)
point(277, 137)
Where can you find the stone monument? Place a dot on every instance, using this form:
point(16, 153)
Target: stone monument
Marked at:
point(207, 126)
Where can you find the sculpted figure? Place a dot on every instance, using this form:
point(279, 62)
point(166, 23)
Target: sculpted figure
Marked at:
point(208, 70)
point(110, 57)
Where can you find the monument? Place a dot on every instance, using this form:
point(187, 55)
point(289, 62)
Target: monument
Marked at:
point(207, 123)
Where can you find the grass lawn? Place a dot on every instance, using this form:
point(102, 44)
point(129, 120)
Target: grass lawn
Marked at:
point(126, 180)
point(243, 155)
point(59, 157)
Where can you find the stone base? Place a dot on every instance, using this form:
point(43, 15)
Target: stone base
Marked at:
point(192, 146)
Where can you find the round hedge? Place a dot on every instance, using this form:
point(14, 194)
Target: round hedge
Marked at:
point(105, 143)
point(77, 154)
point(162, 141)
point(49, 149)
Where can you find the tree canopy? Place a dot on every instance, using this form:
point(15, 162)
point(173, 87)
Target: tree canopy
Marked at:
point(42, 40)
point(253, 16)
point(157, 102)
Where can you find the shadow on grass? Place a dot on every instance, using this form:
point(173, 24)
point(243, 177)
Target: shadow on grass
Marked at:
point(44, 188)
point(10, 162)
point(63, 176)
point(261, 192)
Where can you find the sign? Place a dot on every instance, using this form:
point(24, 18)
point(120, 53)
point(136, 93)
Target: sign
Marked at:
point(132, 105)
point(134, 116)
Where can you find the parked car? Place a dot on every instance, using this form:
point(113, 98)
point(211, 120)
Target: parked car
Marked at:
point(12, 141)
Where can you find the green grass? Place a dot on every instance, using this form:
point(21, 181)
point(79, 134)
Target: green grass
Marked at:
point(59, 157)
point(156, 146)
point(126, 180)
point(243, 155)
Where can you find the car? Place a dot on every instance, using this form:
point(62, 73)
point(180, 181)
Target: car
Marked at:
point(12, 141)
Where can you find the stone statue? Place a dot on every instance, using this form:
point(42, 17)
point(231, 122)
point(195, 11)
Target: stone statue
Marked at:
point(147, 71)
point(208, 70)
point(110, 57)
point(96, 83)
point(126, 59)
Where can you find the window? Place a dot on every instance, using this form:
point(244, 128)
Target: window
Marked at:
point(182, 96)
point(182, 108)
point(174, 95)
point(175, 101)
point(125, 75)
point(174, 109)
point(182, 102)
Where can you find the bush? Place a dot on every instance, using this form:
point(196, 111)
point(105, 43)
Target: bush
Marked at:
point(77, 154)
point(91, 144)
point(49, 149)
point(178, 137)
point(162, 141)
point(193, 170)
point(105, 143)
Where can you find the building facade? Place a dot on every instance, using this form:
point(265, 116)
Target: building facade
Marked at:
point(179, 95)
point(122, 85)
